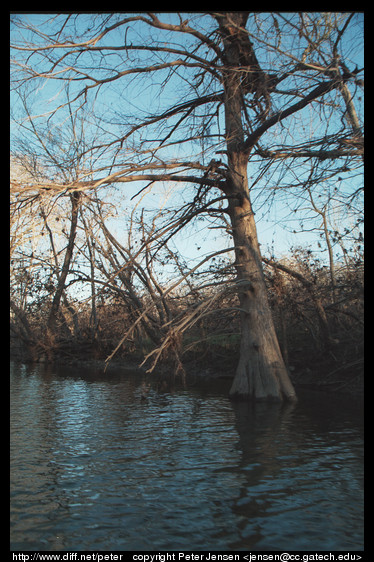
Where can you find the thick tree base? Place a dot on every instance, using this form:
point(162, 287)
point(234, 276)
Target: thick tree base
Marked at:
point(261, 382)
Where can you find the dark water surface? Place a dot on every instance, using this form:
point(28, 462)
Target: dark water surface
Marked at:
point(95, 467)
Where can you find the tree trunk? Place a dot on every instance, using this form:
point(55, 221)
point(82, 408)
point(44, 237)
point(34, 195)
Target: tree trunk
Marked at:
point(55, 307)
point(261, 373)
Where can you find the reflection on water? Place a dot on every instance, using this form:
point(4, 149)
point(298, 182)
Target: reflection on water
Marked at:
point(96, 467)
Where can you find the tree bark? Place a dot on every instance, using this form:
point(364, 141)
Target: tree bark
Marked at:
point(261, 373)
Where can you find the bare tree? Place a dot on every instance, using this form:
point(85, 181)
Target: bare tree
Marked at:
point(246, 75)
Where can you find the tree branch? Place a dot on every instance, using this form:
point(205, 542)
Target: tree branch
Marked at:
point(320, 154)
point(322, 89)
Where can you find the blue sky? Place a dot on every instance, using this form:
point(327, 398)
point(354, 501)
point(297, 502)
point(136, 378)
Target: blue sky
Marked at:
point(119, 100)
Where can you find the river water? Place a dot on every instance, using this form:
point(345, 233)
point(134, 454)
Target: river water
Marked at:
point(95, 466)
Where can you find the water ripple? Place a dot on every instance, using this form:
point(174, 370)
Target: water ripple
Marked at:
point(96, 468)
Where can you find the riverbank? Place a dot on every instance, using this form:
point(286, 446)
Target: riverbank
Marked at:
point(322, 372)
